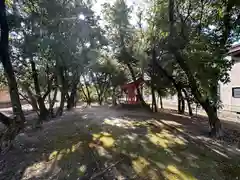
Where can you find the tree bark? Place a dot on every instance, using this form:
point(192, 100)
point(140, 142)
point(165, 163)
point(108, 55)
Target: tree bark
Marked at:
point(188, 102)
point(72, 97)
point(42, 108)
point(114, 99)
point(52, 102)
point(89, 100)
point(85, 95)
point(154, 103)
point(63, 91)
point(161, 101)
point(8, 69)
point(181, 104)
point(215, 124)
point(30, 96)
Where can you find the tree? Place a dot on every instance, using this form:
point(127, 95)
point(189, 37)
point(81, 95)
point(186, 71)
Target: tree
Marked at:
point(122, 37)
point(9, 72)
point(197, 41)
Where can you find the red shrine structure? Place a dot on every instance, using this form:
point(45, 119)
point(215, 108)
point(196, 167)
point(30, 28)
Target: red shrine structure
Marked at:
point(130, 90)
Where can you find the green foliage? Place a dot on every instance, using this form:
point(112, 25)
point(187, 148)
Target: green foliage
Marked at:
point(66, 42)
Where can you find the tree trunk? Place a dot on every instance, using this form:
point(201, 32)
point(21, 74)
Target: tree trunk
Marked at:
point(114, 99)
point(161, 102)
point(89, 100)
point(8, 69)
point(188, 102)
point(42, 108)
point(63, 92)
point(30, 96)
point(181, 104)
point(32, 99)
point(154, 103)
point(85, 95)
point(99, 96)
point(52, 103)
point(100, 101)
point(72, 97)
point(215, 124)
point(214, 121)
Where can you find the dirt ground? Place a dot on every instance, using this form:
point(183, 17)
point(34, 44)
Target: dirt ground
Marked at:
point(109, 143)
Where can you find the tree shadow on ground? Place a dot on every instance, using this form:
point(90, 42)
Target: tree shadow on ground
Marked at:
point(197, 128)
point(118, 147)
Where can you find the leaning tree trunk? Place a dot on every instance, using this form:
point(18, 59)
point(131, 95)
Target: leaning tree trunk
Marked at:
point(42, 108)
point(30, 96)
point(214, 121)
point(215, 124)
point(8, 69)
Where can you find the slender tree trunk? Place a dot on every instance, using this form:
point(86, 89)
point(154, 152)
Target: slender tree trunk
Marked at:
point(62, 101)
point(31, 97)
point(99, 94)
point(100, 101)
point(89, 100)
point(181, 104)
point(72, 97)
point(8, 69)
point(188, 102)
point(85, 95)
point(52, 102)
point(161, 101)
point(114, 99)
point(154, 104)
point(42, 108)
point(63, 90)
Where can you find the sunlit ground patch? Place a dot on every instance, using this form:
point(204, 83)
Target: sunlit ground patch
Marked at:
point(58, 154)
point(140, 164)
point(172, 173)
point(104, 138)
point(164, 139)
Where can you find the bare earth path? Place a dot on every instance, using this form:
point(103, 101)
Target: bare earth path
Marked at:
point(105, 143)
